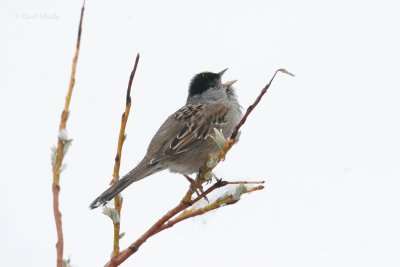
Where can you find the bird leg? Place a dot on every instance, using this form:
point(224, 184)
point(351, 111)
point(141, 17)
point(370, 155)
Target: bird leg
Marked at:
point(201, 186)
point(192, 183)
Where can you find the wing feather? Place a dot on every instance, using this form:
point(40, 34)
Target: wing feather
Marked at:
point(198, 122)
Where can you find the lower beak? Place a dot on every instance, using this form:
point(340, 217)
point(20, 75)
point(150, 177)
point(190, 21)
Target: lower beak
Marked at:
point(228, 84)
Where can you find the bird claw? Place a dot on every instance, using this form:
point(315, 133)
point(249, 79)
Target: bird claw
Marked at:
point(202, 191)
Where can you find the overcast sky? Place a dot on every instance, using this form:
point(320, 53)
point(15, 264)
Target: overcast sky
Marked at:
point(326, 142)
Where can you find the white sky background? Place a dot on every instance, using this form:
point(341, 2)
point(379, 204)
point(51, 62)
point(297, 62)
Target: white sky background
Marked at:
point(326, 142)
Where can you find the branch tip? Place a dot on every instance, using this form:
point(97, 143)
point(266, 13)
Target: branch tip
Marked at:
point(133, 72)
point(286, 72)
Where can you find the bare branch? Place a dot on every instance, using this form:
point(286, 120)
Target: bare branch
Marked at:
point(121, 138)
point(128, 92)
point(62, 146)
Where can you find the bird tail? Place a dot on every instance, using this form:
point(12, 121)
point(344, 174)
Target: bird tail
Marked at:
point(134, 175)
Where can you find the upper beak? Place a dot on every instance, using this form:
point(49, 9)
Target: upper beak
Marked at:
point(222, 72)
point(228, 84)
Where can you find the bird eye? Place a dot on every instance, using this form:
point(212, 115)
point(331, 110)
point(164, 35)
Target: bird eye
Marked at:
point(213, 84)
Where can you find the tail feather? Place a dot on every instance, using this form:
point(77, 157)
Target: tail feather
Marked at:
point(134, 175)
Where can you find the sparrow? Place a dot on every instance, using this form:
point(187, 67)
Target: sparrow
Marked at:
point(183, 142)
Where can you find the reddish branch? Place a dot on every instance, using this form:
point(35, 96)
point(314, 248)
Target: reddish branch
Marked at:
point(165, 221)
point(57, 218)
point(60, 150)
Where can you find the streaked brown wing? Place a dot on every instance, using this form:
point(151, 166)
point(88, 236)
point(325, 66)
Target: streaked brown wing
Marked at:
point(198, 122)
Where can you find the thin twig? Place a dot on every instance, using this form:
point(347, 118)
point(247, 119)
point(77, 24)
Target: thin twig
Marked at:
point(227, 200)
point(60, 150)
point(121, 138)
point(165, 221)
point(252, 106)
point(246, 182)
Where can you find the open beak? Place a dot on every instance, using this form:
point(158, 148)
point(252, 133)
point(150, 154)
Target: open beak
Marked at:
point(228, 84)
